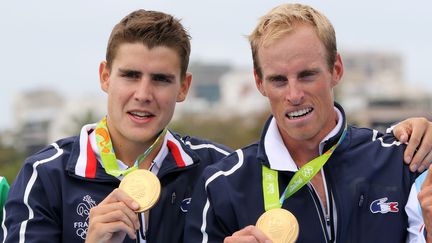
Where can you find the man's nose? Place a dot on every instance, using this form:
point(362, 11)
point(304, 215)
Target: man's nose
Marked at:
point(295, 93)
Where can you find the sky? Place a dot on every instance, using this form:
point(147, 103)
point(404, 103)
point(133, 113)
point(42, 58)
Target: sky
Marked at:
point(59, 44)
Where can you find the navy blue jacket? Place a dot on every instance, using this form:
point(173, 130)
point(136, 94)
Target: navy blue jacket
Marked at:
point(364, 175)
point(51, 197)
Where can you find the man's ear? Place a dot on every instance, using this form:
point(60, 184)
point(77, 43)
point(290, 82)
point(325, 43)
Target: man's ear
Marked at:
point(184, 87)
point(104, 74)
point(338, 70)
point(259, 83)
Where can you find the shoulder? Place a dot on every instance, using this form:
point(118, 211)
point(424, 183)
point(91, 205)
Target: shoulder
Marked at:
point(54, 153)
point(238, 164)
point(201, 144)
point(359, 135)
point(369, 150)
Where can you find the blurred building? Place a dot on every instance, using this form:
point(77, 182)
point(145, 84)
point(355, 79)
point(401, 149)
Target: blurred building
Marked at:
point(221, 91)
point(42, 116)
point(205, 82)
point(375, 93)
point(34, 111)
point(76, 112)
point(239, 95)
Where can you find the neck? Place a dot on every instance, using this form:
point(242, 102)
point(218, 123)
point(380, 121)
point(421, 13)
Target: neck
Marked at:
point(128, 153)
point(303, 152)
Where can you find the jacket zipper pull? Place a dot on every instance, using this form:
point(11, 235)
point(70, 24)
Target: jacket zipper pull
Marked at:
point(173, 197)
point(360, 203)
point(327, 218)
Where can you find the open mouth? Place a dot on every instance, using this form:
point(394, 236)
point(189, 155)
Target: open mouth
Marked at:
point(141, 115)
point(299, 113)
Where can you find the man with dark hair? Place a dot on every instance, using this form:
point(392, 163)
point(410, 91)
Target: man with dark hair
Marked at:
point(67, 192)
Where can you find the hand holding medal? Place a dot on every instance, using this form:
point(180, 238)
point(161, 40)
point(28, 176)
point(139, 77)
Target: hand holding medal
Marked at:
point(138, 192)
point(142, 186)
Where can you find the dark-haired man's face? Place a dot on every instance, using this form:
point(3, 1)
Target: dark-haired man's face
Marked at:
point(143, 86)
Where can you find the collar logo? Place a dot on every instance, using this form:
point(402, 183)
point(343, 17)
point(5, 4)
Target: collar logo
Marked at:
point(382, 206)
point(83, 210)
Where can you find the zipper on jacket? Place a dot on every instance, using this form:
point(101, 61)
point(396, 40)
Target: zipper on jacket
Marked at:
point(141, 232)
point(361, 204)
point(320, 211)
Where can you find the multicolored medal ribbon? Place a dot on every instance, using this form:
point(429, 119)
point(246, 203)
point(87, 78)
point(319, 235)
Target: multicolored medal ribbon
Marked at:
point(107, 154)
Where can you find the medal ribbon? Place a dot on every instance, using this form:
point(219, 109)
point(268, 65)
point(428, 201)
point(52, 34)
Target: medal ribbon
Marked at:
point(300, 178)
point(106, 150)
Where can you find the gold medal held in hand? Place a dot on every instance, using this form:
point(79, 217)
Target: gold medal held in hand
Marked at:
point(143, 186)
point(280, 225)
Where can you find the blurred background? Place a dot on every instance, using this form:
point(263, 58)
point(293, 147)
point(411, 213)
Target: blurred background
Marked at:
point(50, 53)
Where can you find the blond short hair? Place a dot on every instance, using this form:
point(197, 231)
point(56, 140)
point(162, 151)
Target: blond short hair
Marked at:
point(283, 19)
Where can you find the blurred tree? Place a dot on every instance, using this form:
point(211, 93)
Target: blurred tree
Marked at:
point(10, 162)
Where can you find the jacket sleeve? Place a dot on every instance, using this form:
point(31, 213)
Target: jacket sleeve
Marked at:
point(30, 215)
point(416, 226)
point(201, 221)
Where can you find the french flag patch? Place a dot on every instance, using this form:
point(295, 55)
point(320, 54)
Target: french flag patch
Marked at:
point(382, 206)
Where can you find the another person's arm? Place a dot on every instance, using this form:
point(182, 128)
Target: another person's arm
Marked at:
point(419, 209)
point(425, 200)
point(4, 189)
point(417, 132)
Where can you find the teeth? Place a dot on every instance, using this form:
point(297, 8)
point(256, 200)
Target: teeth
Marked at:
point(140, 114)
point(299, 113)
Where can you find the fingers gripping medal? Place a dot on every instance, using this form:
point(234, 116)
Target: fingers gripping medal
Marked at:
point(280, 225)
point(143, 186)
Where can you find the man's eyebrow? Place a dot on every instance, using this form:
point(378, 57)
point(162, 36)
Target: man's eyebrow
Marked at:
point(166, 75)
point(310, 71)
point(128, 70)
point(276, 76)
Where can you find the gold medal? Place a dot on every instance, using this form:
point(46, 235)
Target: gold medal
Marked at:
point(280, 225)
point(143, 186)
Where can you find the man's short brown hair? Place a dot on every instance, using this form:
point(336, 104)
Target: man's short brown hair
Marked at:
point(152, 29)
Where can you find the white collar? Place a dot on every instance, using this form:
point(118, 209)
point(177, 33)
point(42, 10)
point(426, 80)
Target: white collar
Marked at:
point(277, 153)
